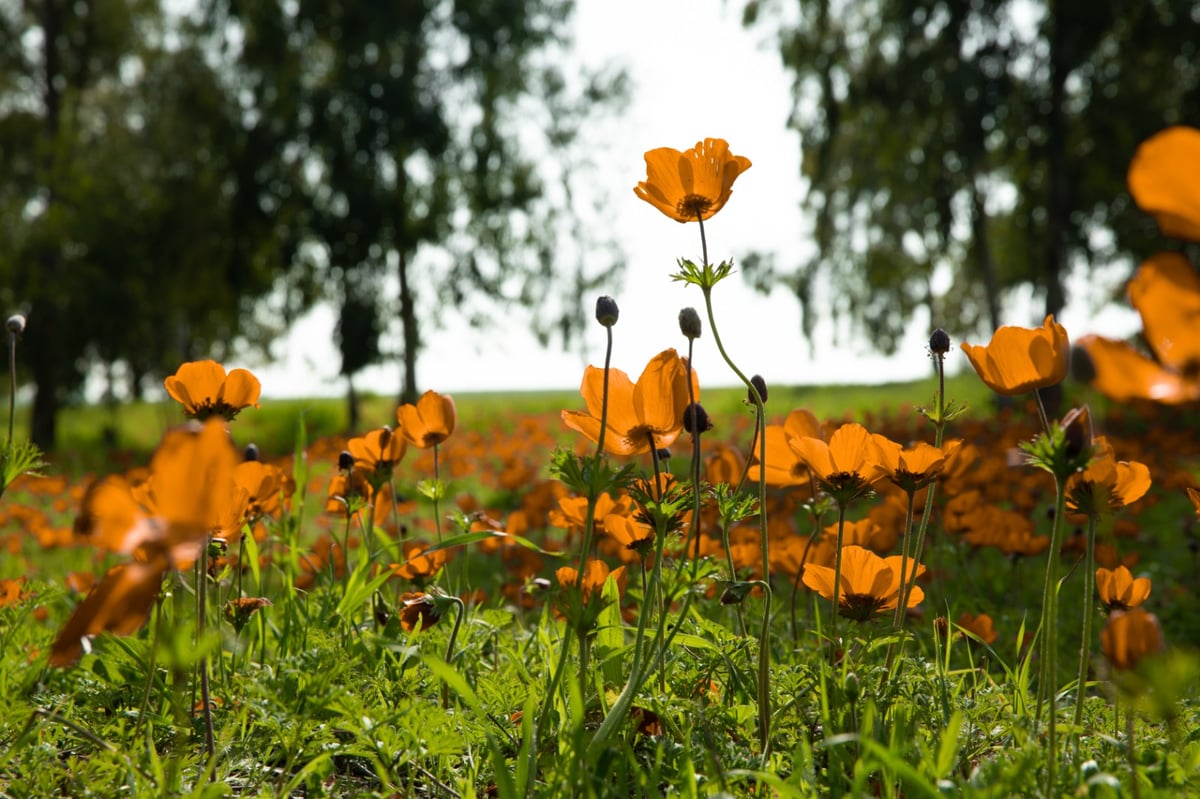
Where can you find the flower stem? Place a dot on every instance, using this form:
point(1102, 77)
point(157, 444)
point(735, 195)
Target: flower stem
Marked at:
point(1085, 644)
point(1047, 685)
point(458, 617)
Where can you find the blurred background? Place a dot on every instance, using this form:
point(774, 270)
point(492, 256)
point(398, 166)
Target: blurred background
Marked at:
point(350, 196)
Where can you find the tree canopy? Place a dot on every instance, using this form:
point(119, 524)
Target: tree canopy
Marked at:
point(986, 141)
point(183, 181)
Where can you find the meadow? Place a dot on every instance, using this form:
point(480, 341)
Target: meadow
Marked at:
point(981, 586)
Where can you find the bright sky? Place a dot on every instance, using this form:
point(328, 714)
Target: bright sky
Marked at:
point(738, 91)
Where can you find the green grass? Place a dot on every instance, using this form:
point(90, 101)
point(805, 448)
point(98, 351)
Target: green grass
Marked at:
point(323, 694)
point(88, 435)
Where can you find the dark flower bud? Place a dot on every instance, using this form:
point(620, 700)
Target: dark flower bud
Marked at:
point(16, 324)
point(1082, 367)
point(760, 386)
point(251, 452)
point(939, 342)
point(385, 436)
point(1078, 426)
point(345, 460)
point(735, 592)
point(689, 323)
point(607, 311)
point(664, 454)
point(695, 419)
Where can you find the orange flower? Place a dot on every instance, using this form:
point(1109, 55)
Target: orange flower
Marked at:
point(595, 574)
point(846, 466)
point(648, 413)
point(980, 626)
point(120, 603)
point(1120, 590)
point(1129, 637)
point(348, 492)
point(914, 467)
point(1164, 179)
point(784, 466)
point(633, 536)
point(1019, 360)
point(870, 584)
point(12, 591)
point(204, 390)
point(1165, 291)
point(1118, 483)
point(418, 611)
point(377, 449)
point(418, 566)
point(263, 486)
point(693, 184)
point(429, 422)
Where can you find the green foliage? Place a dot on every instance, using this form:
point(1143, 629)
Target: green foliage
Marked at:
point(989, 140)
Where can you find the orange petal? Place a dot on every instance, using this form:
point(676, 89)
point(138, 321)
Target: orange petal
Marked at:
point(1164, 179)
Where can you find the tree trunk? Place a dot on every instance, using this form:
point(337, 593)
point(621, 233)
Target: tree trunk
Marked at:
point(1057, 210)
point(408, 326)
point(352, 416)
point(43, 338)
point(981, 252)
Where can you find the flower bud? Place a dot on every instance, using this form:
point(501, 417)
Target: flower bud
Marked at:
point(664, 454)
point(345, 460)
point(1082, 367)
point(695, 419)
point(607, 311)
point(689, 323)
point(251, 452)
point(16, 324)
point(939, 342)
point(760, 386)
point(853, 687)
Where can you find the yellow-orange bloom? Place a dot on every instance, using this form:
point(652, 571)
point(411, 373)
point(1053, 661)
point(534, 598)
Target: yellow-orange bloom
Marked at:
point(1116, 483)
point(1120, 590)
point(649, 412)
point(430, 421)
point(692, 184)
point(980, 626)
point(870, 584)
point(1019, 360)
point(1164, 179)
point(1129, 637)
point(847, 466)
point(204, 390)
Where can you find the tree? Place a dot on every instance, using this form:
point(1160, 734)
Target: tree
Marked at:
point(435, 138)
point(985, 139)
point(132, 203)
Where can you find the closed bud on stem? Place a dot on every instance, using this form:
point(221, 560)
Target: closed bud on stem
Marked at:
point(607, 311)
point(689, 323)
point(760, 386)
point(1082, 367)
point(852, 686)
point(939, 342)
point(345, 460)
point(15, 324)
point(695, 419)
point(251, 452)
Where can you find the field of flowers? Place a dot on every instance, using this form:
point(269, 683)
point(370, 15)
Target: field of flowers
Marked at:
point(944, 601)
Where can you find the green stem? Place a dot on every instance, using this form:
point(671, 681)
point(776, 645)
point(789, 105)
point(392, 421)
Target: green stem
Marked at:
point(458, 617)
point(1085, 644)
point(1047, 686)
point(837, 582)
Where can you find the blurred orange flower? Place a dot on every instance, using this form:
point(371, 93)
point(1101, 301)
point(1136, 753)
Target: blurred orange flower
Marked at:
point(640, 415)
point(595, 574)
point(204, 390)
point(870, 584)
point(1129, 637)
point(1165, 291)
point(980, 626)
point(1019, 360)
point(429, 422)
point(1120, 590)
point(784, 466)
point(1164, 179)
point(120, 603)
point(378, 450)
point(692, 184)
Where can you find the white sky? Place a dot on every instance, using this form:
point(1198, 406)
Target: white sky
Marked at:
point(696, 73)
